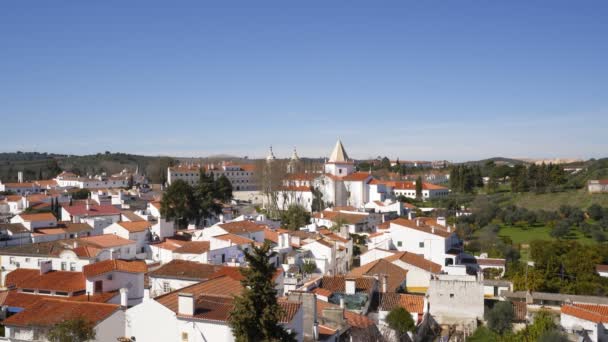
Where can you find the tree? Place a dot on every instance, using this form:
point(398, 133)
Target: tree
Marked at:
point(207, 198)
point(309, 266)
point(73, 330)
point(400, 320)
point(419, 187)
point(295, 217)
point(81, 194)
point(178, 203)
point(561, 229)
point(500, 317)
point(223, 188)
point(256, 313)
point(596, 212)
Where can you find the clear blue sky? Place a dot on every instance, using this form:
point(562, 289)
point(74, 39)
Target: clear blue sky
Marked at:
point(455, 80)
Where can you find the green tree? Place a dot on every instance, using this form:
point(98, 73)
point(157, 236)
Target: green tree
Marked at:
point(309, 266)
point(400, 320)
point(179, 203)
point(419, 187)
point(595, 212)
point(208, 202)
point(295, 217)
point(483, 334)
point(223, 189)
point(73, 330)
point(500, 317)
point(256, 313)
point(561, 229)
point(81, 194)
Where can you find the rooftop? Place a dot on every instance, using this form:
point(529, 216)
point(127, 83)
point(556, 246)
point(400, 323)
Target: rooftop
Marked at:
point(102, 267)
point(48, 312)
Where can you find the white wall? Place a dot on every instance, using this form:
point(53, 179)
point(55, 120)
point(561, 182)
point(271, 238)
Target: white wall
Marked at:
point(151, 321)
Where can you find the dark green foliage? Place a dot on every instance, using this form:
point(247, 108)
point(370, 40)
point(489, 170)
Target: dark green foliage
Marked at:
point(179, 203)
point(309, 267)
point(400, 320)
point(256, 314)
point(81, 194)
point(465, 178)
point(208, 197)
point(73, 330)
point(596, 212)
point(561, 229)
point(224, 189)
point(317, 200)
point(419, 187)
point(500, 317)
point(295, 217)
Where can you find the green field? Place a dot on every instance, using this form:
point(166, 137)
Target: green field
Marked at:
point(522, 236)
point(552, 201)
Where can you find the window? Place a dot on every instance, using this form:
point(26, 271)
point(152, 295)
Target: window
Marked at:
point(27, 290)
point(64, 265)
point(451, 295)
point(421, 244)
point(44, 292)
point(399, 243)
point(72, 266)
point(166, 287)
point(27, 259)
point(12, 260)
point(58, 293)
point(184, 337)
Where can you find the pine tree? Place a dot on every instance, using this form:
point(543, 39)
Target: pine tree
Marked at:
point(256, 314)
point(419, 187)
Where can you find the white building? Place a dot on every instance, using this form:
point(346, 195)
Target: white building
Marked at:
point(432, 238)
point(456, 300)
point(585, 319)
point(242, 177)
point(198, 313)
point(32, 323)
point(71, 180)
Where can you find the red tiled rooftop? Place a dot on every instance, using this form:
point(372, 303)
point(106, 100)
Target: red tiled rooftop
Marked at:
point(101, 267)
point(48, 312)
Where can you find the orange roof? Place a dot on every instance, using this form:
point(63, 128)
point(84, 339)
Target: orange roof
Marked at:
point(336, 215)
point(589, 312)
point(395, 274)
point(53, 280)
point(48, 312)
point(415, 260)
point(106, 266)
point(236, 227)
point(18, 299)
point(193, 247)
point(338, 283)
point(235, 239)
point(107, 240)
point(412, 303)
point(223, 286)
point(184, 269)
point(322, 292)
point(135, 226)
point(296, 188)
point(424, 225)
point(169, 244)
point(38, 217)
point(357, 177)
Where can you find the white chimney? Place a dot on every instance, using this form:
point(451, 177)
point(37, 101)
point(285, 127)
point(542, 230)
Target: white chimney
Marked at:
point(384, 283)
point(349, 286)
point(342, 302)
point(46, 266)
point(185, 304)
point(146, 294)
point(88, 206)
point(441, 221)
point(20, 176)
point(433, 229)
point(75, 244)
point(123, 297)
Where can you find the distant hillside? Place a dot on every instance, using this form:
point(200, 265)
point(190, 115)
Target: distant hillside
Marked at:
point(497, 161)
point(44, 165)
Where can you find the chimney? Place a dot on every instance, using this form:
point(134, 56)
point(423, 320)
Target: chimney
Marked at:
point(433, 229)
point(384, 283)
point(349, 285)
point(46, 266)
point(123, 297)
point(441, 221)
point(20, 177)
point(75, 244)
point(185, 304)
point(146, 294)
point(342, 302)
point(88, 206)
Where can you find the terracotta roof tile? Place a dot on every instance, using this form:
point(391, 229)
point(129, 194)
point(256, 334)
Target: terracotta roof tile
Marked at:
point(107, 240)
point(38, 217)
point(337, 283)
point(135, 226)
point(53, 280)
point(101, 267)
point(235, 239)
point(94, 210)
point(415, 260)
point(412, 303)
point(48, 312)
point(336, 215)
point(589, 312)
point(240, 227)
point(423, 226)
point(188, 270)
point(395, 274)
point(193, 247)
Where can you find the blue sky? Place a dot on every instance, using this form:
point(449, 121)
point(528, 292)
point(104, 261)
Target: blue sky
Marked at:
point(455, 80)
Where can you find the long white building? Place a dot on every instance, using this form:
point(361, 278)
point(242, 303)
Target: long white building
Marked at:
point(241, 176)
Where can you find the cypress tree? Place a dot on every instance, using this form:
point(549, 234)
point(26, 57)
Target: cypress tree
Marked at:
point(256, 314)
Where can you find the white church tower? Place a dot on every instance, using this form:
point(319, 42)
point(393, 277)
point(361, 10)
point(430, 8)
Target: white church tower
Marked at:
point(292, 166)
point(338, 163)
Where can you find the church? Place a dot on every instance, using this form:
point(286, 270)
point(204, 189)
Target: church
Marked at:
point(339, 184)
